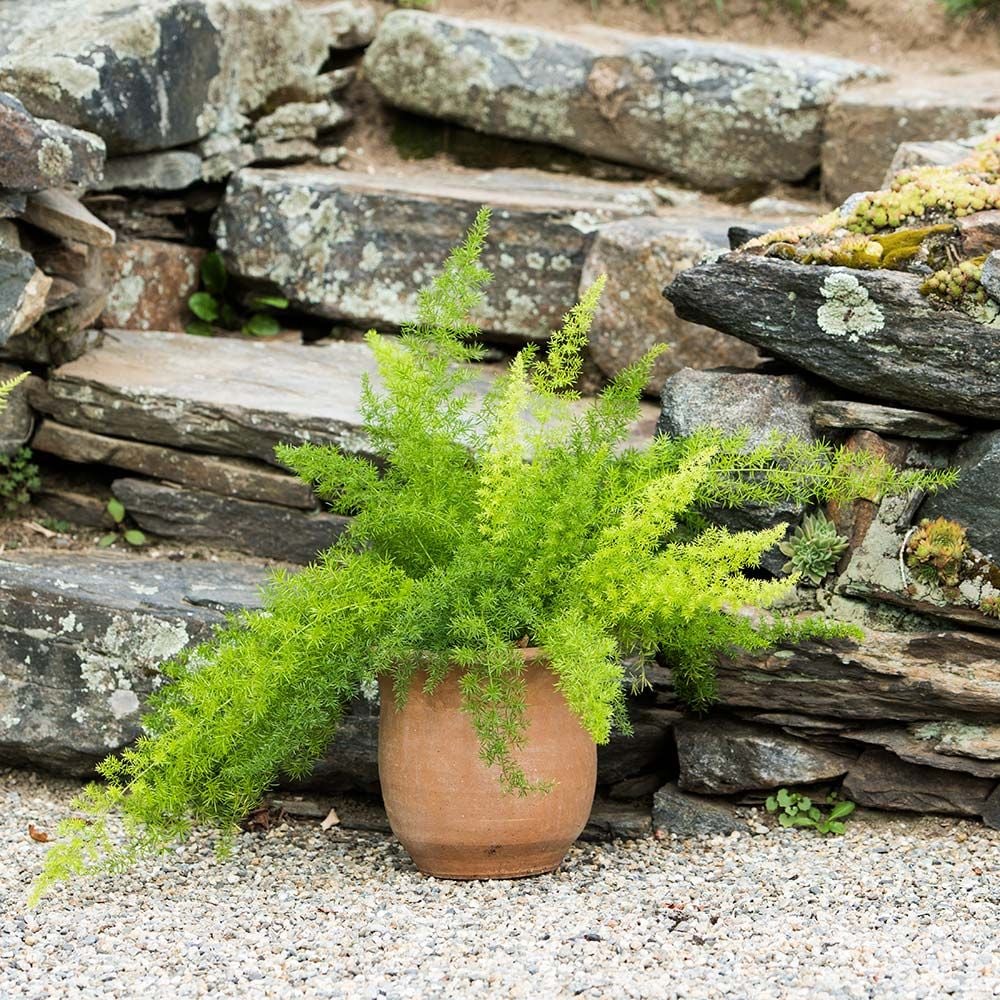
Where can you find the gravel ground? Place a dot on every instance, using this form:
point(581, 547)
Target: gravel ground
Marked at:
point(896, 908)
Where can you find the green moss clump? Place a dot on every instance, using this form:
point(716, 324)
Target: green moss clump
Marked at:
point(891, 228)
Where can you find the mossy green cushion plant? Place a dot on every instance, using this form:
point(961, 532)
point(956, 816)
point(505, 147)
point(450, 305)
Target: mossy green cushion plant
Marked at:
point(523, 519)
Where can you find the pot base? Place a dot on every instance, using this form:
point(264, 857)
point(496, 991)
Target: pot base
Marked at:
point(483, 865)
point(447, 808)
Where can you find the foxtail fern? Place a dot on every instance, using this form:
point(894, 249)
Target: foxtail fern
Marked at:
point(477, 525)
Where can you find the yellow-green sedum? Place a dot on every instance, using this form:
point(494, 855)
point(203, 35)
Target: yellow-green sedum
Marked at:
point(523, 520)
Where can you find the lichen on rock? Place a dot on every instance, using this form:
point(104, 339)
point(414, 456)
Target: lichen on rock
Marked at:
point(848, 310)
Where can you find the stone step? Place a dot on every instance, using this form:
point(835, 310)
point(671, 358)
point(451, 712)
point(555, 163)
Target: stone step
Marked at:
point(866, 124)
point(359, 247)
point(710, 114)
point(223, 396)
point(216, 395)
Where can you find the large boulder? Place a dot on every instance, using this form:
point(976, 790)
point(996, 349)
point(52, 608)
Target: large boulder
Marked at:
point(640, 256)
point(36, 153)
point(708, 113)
point(344, 245)
point(869, 331)
point(156, 74)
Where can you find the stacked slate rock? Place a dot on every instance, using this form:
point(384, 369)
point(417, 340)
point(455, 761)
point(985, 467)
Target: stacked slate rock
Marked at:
point(911, 714)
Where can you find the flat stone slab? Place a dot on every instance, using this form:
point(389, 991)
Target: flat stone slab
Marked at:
point(17, 270)
point(951, 746)
point(228, 477)
point(868, 331)
point(259, 529)
point(359, 247)
point(708, 113)
point(905, 676)
point(62, 215)
point(81, 637)
point(846, 414)
point(720, 757)
point(36, 153)
point(156, 74)
point(220, 395)
point(883, 781)
point(169, 171)
point(680, 815)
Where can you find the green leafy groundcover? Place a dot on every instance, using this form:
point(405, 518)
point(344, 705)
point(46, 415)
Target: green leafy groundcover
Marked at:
point(479, 526)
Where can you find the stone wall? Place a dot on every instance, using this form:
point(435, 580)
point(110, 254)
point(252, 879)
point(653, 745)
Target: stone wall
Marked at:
point(272, 131)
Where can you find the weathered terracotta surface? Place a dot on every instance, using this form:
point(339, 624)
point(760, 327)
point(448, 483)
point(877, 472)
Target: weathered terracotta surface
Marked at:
point(446, 806)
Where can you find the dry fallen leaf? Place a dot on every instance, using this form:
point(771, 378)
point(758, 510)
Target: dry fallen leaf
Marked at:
point(332, 819)
point(40, 835)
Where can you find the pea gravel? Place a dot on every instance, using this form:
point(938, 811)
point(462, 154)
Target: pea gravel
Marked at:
point(896, 908)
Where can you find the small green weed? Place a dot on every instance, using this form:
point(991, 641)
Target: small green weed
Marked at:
point(795, 809)
point(19, 478)
point(213, 309)
point(116, 509)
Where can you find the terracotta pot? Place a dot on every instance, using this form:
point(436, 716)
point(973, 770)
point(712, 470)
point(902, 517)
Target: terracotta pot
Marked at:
point(446, 807)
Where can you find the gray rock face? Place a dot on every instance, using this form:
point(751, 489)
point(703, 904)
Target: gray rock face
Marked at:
point(259, 529)
point(16, 419)
point(231, 477)
point(990, 277)
point(720, 757)
point(845, 414)
point(16, 272)
point(763, 402)
point(647, 749)
point(78, 655)
point(344, 245)
point(883, 781)
point(865, 125)
point(36, 153)
point(692, 816)
point(707, 113)
point(171, 171)
point(869, 331)
point(973, 748)
point(152, 75)
point(975, 500)
point(907, 676)
point(640, 256)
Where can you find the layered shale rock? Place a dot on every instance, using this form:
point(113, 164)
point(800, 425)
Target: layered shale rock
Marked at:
point(871, 331)
point(707, 113)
